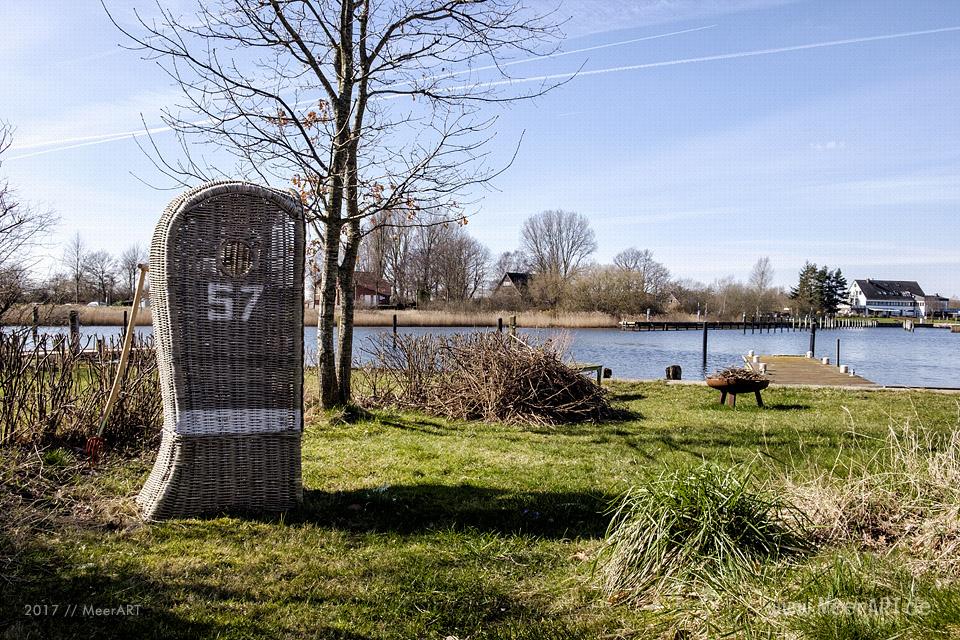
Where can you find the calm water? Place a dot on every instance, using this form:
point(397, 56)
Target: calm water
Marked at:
point(927, 357)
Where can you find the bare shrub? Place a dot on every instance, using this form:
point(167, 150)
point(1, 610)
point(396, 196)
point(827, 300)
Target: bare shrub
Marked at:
point(479, 376)
point(50, 393)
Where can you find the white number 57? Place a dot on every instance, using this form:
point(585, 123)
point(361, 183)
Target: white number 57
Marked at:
point(220, 298)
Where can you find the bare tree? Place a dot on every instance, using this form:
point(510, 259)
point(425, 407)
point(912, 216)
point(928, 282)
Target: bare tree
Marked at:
point(423, 262)
point(651, 277)
point(509, 261)
point(74, 260)
point(361, 103)
point(462, 265)
point(101, 268)
point(557, 243)
point(386, 252)
point(761, 283)
point(131, 257)
point(22, 228)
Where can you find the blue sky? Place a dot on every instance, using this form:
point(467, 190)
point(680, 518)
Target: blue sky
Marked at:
point(844, 153)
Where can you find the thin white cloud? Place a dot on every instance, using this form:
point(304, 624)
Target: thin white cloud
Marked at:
point(829, 145)
point(560, 54)
point(661, 217)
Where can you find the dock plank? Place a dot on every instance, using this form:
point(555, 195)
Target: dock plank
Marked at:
point(800, 370)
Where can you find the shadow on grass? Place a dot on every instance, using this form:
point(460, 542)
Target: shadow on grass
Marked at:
point(409, 509)
point(45, 594)
point(788, 407)
point(627, 397)
point(418, 594)
point(416, 423)
point(621, 414)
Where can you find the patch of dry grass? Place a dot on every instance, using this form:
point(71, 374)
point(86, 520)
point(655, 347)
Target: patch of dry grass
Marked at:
point(904, 499)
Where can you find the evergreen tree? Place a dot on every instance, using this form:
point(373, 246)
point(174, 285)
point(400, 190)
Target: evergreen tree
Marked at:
point(819, 290)
point(835, 291)
point(807, 294)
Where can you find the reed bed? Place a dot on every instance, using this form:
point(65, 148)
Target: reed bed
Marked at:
point(53, 391)
point(58, 315)
point(525, 319)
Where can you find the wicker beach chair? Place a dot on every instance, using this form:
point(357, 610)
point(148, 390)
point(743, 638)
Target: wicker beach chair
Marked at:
point(226, 282)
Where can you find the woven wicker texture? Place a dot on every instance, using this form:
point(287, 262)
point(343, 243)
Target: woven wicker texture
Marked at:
point(226, 280)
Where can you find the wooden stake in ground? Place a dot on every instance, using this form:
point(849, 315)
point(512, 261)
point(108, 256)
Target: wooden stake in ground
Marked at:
point(94, 445)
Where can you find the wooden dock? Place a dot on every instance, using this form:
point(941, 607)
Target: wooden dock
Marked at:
point(768, 325)
point(664, 325)
point(800, 370)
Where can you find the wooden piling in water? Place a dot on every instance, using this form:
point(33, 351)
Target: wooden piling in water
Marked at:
point(704, 344)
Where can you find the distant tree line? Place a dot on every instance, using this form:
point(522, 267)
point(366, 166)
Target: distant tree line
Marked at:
point(443, 266)
point(439, 265)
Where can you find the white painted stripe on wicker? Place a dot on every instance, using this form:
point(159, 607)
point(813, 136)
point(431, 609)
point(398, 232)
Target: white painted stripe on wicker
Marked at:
point(235, 422)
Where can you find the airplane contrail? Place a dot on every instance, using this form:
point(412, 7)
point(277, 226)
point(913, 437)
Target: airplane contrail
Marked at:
point(90, 140)
point(569, 53)
point(721, 56)
point(71, 143)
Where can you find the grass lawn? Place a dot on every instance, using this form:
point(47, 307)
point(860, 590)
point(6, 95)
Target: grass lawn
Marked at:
point(414, 527)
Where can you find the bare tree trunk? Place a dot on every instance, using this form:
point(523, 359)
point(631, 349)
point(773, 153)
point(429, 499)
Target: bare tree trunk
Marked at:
point(347, 306)
point(326, 356)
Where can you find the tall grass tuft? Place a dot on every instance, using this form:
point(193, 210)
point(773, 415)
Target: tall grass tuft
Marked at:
point(697, 529)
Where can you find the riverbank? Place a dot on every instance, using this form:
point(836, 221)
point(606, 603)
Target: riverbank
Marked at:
point(58, 315)
point(416, 527)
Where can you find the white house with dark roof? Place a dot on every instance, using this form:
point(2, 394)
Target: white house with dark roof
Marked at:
point(892, 298)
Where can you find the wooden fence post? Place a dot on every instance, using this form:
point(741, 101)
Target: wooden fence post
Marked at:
point(36, 325)
point(74, 331)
